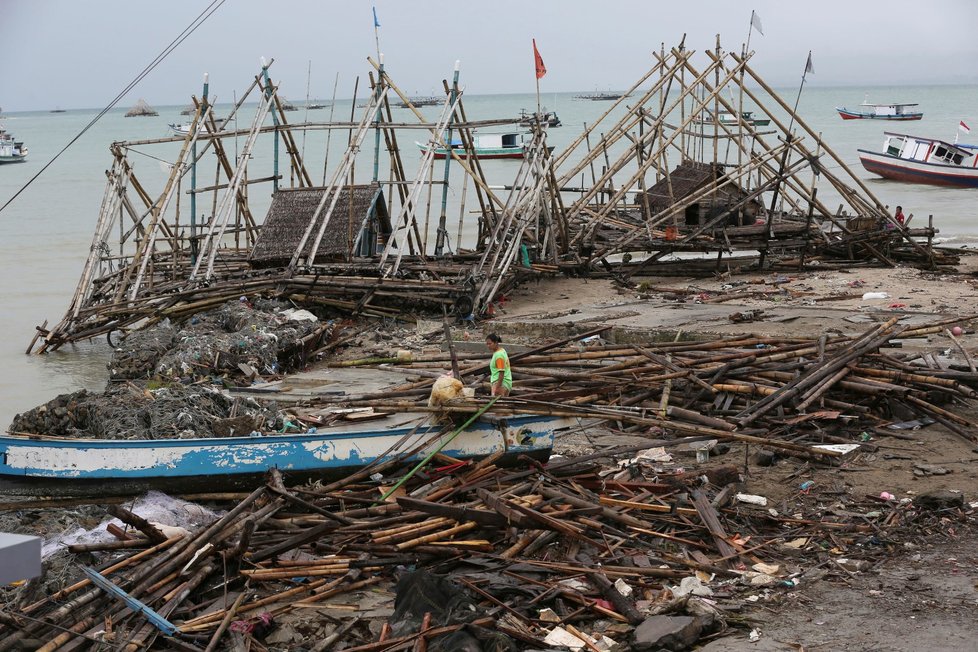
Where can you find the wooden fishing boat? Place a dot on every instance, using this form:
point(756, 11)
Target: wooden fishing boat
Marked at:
point(486, 146)
point(549, 118)
point(730, 119)
point(332, 452)
point(11, 150)
point(869, 111)
point(923, 160)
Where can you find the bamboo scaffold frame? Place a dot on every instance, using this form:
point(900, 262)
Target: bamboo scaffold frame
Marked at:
point(743, 187)
point(164, 267)
point(671, 124)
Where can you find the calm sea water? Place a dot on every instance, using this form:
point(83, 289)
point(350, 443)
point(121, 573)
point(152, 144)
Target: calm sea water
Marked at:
point(46, 233)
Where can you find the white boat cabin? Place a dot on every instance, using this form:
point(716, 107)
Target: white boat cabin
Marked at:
point(498, 141)
point(888, 110)
point(928, 150)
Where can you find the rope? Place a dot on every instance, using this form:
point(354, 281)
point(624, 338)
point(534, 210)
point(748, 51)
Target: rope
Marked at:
point(187, 31)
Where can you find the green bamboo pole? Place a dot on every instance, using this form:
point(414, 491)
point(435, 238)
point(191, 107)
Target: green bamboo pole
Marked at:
point(442, 445)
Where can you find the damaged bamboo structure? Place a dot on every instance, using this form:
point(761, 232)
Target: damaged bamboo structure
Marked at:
point(676, 177)
point(353, 246)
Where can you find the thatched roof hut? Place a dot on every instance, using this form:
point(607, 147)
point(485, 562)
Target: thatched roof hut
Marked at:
point(691, 177)
point(141, 108)
point(293, 208)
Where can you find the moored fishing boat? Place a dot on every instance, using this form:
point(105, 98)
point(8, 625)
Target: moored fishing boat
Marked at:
point(11, 150)
point(328, 452)
point(914, 159)
point(730, 119)
point(184, 129)
point(548, 118)
point(486, 146)
point(867, 111)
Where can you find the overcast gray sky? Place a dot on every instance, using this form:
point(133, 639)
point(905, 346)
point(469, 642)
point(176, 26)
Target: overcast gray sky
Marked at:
point(74, 54)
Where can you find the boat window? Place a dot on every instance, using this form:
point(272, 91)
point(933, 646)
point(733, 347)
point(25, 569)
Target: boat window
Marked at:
point(893, 150)
point(940, 152)
point(957, 159)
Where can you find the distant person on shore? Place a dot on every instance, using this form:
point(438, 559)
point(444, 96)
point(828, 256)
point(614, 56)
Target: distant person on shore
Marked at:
point(500, 374)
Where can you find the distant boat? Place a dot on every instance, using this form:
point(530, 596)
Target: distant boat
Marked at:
point(598, 96)
point(57, 110)
point(730, 119)
point(318, 106)
point(184, 128)
point(923, 160)
point(869, 111)
point(548, 118)
point(11, 151)
point(421, 101)
point(487, 146)
point(141, 109)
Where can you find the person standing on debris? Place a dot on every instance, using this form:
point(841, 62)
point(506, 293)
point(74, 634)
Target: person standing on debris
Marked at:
point(899, 215)
point(500, 374)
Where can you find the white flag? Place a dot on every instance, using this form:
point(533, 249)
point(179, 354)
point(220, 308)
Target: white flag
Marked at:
point(809, 68)
point(963, 127)
point(755, 22)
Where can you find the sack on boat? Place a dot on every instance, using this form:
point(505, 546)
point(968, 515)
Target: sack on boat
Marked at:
point(445, 389)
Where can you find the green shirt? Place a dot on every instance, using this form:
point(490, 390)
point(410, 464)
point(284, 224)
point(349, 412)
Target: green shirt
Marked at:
point(500, 363)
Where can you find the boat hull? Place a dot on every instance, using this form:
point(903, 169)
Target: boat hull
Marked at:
point(856, 115)
point(897, 169)
point(97, 461)
point(13, 159)
point(480, 152)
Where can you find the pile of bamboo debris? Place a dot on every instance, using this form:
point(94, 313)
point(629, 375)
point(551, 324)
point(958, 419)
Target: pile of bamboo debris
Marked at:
point(572, 548)
point(787, 393)
point(528, 557)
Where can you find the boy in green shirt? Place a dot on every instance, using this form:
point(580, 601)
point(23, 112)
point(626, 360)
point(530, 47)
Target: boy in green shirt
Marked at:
point(500, 375)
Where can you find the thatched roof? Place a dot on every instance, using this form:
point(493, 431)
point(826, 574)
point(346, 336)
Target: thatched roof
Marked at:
point(141, 108)
point(292, 209)
point(683, 181)
point(689, 178)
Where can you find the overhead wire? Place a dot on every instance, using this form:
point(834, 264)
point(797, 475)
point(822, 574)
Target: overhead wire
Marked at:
point(180, 38)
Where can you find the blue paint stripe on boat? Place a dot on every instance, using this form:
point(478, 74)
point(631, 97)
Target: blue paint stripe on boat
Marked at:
point(234, 456)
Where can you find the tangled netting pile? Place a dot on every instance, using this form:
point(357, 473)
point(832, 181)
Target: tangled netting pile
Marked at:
point(267, 336)
point(128, 412)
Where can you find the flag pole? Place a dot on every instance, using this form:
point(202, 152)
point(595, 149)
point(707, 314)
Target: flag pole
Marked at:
point(784, 162)
point(808, 66)
point(750, 28)
point(376, 31)
point(538, 92)
point(539, 70)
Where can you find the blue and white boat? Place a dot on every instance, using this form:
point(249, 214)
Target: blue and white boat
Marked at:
point(214, 461)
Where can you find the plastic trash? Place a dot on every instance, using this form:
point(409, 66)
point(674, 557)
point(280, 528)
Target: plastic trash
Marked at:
point(806, 485)
point(886, 495)
point(875, 295)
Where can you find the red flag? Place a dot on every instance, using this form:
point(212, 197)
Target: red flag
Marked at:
point(541, 69)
